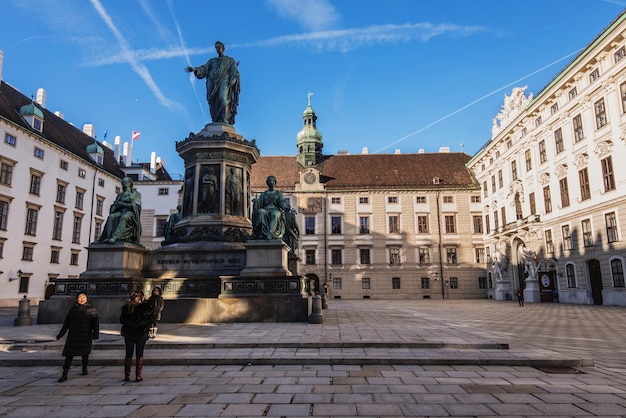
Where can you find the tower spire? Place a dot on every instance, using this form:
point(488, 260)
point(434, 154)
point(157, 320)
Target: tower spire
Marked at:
point(309, 142)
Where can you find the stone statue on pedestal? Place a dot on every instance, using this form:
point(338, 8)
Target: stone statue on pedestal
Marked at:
point(273, 217)
point(124, 221)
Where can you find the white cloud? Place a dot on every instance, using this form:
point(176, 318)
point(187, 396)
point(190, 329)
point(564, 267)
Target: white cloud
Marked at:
point(310, 14)
point(343, 40)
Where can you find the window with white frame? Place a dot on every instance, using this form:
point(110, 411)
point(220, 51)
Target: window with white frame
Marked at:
point(309, 256)
point(579, 133)
point(336, 256)
point(543, 155)
point(479, 253)
point(394, 256)
point(78, 221)
point(570, 272)
point(366, 283)
point(31, 221)
point(610, 221)
point(454, 282)
point(559, 147)
point(600, 113)
point(422, 224)
point(617, 272)
point(38, 153)
point(336, 283)
point(425, 283)
point(394, 224)
point(594, 75)
point(4, 214)
point(335, 224)
point(608, 175)
point(585, 225)
point(450, 224)
point(529, 160)
point(567, 237)
point(10, 139)
point(477, 221)
point(57, 227)
point(61, 189)
point(451, 255)
point(549, 242)
point(364, 256)
point(309, 225)
point(622, 93)
point(35, 183)
point(80, 199)
point(585, 188)
point(364, 224)
point(620, 54)
point(572, 93)
point(564, 192)
point(6, 172)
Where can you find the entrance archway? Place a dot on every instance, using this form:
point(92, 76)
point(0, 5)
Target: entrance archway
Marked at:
point(312, 284)
point(595, 279)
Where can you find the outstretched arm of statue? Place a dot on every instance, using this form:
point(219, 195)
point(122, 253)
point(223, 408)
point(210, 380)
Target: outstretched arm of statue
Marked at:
point(189, 69)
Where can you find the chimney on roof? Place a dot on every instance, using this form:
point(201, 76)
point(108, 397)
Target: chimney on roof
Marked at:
point(365, 151)
point(89, 129)
point(444, 149)
point(1, 61)
point(116, 149)
point(41, 97)
point(60, 115)
point(397, 151)
point(153, 162)
point(128, 154)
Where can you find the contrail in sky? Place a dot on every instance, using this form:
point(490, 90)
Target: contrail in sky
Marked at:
point(129, 57)
point(449, 115)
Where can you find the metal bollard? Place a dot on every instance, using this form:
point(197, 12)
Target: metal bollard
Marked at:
point(316, 316)
point(23, 313)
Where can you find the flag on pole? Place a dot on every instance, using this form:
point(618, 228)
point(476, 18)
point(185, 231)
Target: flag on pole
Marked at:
point(135, 135)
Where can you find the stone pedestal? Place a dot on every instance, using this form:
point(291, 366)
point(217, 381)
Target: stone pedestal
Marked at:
point(531, 292)
point(109, 261)
point(266, 258)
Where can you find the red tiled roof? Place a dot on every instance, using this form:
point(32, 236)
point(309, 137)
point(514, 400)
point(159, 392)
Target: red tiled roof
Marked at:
point(371, 171)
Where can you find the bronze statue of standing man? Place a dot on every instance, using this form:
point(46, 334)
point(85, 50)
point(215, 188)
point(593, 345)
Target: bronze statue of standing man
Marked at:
point(222, 85)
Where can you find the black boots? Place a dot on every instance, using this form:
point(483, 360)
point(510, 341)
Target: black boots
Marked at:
point(85, 363)
point(128, 362)
point(138, 377)
point(63, 377)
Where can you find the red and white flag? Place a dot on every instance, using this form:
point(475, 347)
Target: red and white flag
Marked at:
point(136, 135)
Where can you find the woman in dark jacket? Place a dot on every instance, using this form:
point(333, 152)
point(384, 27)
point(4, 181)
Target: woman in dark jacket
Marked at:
point(136, 318)
point(83, 325)
point(156, 305)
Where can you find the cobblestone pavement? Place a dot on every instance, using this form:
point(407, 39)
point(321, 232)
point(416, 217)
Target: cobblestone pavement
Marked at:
point(369, 358)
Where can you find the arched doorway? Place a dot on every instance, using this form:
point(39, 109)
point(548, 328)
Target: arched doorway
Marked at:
point(595, 278)
point(312, 284)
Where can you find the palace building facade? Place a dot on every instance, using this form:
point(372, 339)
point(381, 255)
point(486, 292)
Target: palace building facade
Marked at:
point(383, 226)
point(552, 181)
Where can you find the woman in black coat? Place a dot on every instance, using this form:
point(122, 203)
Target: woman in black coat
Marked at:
point(136, 319)
point(83, 325)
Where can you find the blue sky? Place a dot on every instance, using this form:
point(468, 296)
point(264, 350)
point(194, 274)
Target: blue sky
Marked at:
point(398, 74)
